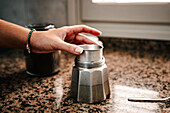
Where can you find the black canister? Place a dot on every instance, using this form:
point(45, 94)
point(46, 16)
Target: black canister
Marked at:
point(42, 64)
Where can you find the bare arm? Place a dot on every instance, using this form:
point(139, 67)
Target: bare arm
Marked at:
point(64, 38)
point(12, 35)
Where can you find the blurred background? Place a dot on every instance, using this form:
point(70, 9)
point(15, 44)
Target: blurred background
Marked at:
point(24, 12)
point(119, 20)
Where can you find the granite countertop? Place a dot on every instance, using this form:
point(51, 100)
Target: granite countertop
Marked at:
point(131, 74)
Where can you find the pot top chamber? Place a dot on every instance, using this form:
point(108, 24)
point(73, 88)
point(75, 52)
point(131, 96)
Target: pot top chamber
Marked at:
point(92, 56)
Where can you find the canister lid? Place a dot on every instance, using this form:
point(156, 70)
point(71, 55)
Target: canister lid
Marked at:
point(41, 26)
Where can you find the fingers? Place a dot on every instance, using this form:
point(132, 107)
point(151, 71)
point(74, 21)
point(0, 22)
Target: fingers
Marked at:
point(83, 28)
point(84, 39)
point(74, 49)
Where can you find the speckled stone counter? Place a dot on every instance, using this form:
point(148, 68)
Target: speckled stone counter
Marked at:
point(132, 74)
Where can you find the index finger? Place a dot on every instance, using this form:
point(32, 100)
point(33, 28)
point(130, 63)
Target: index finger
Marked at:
point(86, 29)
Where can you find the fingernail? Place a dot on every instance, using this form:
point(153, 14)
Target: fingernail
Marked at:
point(100, 32)
point(79, 50)
point(101, 45)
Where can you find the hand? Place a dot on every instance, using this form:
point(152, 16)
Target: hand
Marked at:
point(64, 38)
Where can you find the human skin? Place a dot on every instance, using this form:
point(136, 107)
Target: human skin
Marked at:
point(65, 38)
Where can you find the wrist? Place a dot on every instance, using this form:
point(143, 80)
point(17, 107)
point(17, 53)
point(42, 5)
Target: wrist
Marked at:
point(28, 45)
point(35, 41)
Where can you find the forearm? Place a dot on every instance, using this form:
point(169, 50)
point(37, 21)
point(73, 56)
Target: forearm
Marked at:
point(12, 35)
point(15, 36)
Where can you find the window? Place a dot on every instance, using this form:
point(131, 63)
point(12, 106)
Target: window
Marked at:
point(129, 1)
point(123, 20)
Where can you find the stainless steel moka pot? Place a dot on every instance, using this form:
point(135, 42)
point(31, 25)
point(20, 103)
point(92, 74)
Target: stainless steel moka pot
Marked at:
point(90, 82)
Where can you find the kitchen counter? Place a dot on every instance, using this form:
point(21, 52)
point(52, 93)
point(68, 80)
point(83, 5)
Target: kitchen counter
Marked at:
point(131, 74)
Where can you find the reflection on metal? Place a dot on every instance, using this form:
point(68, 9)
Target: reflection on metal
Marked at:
point(122, 93)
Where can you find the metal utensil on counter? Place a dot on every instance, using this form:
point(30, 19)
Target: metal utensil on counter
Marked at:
point(90, 82)
point(161, 100)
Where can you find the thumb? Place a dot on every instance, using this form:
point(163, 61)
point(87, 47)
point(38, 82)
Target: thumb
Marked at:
point(71, 48)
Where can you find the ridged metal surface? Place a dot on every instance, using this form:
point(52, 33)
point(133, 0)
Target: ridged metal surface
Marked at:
point(90, 85)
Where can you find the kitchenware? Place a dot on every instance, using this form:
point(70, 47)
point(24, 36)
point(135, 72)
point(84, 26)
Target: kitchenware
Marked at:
point(161, 100)
point(42, 64)
point(90, 82)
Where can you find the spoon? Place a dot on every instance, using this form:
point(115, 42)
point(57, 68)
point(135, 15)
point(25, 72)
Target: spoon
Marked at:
point(161, 100)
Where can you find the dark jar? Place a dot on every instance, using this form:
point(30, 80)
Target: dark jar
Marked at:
point(42, 64)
